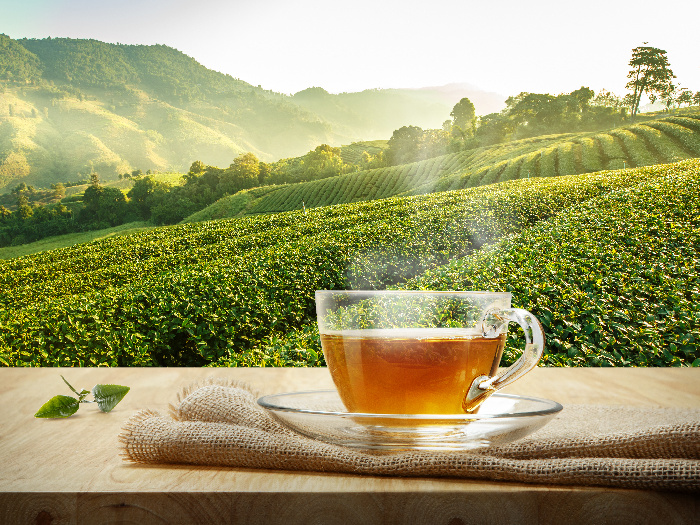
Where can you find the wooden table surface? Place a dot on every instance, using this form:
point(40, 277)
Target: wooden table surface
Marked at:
point(70, 471)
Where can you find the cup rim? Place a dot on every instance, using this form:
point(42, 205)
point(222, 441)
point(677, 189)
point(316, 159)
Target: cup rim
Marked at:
point(415, 292)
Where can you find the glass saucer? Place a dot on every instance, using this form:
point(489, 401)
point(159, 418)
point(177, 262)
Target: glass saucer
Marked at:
point(321, 415)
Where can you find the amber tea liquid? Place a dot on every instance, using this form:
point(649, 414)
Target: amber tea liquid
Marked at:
point(409, 371)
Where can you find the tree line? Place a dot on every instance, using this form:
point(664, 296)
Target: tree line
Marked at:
point(160, 202)
point(532, 114)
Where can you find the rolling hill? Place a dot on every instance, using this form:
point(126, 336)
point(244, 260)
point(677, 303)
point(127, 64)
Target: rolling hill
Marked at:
point(659, 140)
point(68, 107)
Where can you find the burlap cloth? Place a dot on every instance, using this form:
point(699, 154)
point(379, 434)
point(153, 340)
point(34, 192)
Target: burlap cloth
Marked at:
point(222, 425)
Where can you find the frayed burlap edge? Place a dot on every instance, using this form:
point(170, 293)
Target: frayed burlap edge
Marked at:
point(174, 408)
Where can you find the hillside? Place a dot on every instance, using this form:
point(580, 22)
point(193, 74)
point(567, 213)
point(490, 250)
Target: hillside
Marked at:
point(240, 291)
point(70, 106)
point(659, 140)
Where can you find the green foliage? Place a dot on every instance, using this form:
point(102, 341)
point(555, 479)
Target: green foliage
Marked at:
point(109, 396)
point(352, 153)
point(16, 63)
point(70, 239)
point(614, 281)
point(28, 224)
point(103, 205)
point(240, 291)
point(145, 194)
point(637, 151)
point(464, 117)
point(546, 156)
point(650, 73)
point(682, 135)
point(58, 406)
point(242, 174)
point(231, 205)
point(534, 114)
point(411, 143)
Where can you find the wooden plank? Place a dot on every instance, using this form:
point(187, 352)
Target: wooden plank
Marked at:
point(349, 508)
point(70, 471)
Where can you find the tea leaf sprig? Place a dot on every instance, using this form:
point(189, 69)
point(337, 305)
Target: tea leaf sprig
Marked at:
point(106, 397)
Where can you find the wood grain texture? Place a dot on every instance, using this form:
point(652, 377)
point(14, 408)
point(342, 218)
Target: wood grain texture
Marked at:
point(70, 471)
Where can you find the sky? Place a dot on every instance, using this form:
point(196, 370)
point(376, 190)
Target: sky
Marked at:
point(539, 46)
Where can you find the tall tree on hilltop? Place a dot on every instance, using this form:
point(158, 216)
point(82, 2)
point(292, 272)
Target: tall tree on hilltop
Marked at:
point(650, 73)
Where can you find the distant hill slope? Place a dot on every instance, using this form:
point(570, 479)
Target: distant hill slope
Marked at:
point(654, 141)
point(381, 111)
point(70, 106)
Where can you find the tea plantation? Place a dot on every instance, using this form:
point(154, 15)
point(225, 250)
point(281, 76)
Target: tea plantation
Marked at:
point(609, 261)
point(655, 141)
point(615, 281)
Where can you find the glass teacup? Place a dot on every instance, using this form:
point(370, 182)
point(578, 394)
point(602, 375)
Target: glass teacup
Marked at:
point(421, 352)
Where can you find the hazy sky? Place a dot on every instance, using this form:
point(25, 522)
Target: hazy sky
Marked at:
point(287, 45)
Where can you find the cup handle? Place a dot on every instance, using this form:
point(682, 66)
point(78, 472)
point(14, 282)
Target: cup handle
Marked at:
point(492, 324)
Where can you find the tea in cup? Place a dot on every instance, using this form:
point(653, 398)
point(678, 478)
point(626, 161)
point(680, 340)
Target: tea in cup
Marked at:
point(420, 352)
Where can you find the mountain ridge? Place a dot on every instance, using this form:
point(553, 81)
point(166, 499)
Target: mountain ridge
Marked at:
point(153, 107)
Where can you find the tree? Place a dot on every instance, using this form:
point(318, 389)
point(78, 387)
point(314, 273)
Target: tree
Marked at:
point(464, 116)
point(173, 208)
point(685, 97)
point(650, 73)
point(197, 167)
point(144, 194)
point(20, 188)
point(24, 211)
point(323, 162)
point(696, 98)
point(583, 97)
point(22, 200)
point(264, 171)
point(668, 95)
point(103, 205)
point(404, 145)
point(605, 98)
point(536, 113)
point(494, 128)
point(242, 174)
point(59, 191)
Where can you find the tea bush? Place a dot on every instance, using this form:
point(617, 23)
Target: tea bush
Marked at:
point(219, 292)
point(615, 281)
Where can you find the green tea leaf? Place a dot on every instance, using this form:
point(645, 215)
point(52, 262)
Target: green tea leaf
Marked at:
point(58, 406)
point(108, 396)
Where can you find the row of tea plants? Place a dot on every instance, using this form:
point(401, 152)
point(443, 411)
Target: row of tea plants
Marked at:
point(663, 140)
point(218, 292)
point(615, 280)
